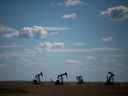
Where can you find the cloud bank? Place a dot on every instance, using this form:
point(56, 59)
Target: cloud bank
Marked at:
point(84, 50)
point(34, 31)
point(117, 12)
point(30, 32)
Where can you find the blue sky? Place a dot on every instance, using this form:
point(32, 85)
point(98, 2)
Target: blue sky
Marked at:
point(53, 36)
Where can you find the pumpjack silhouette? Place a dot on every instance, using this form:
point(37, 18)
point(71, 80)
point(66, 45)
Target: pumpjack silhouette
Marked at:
point(37, 78)
point(79, 79)
point(60, 79)
point(110, 78)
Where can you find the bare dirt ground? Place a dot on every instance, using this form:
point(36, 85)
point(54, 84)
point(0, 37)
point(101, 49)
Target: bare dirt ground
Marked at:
point(28, 89)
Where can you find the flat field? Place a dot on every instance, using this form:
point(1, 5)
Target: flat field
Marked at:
point(16, 88)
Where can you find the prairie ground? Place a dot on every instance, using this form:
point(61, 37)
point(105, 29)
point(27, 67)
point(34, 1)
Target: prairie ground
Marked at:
point(88, 89)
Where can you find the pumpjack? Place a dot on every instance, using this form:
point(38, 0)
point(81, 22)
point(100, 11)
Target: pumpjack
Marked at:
point(110, 78)
point(79, 79)
point(37, 78)
point(60, 79)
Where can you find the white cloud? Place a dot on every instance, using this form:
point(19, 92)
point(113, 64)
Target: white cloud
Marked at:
point(117, 12)
point(72, 2)
point(53, 31)
point(31, 32)
point(71, 61)
point(79, 44)
point(84, 50)
point(70, 16)
point(57, 28)
point(52, 45)
point(34, 31)
point(107, 39)
point(40, 31)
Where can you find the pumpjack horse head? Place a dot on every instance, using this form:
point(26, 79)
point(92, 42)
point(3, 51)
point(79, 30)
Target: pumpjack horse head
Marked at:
point(110, 78)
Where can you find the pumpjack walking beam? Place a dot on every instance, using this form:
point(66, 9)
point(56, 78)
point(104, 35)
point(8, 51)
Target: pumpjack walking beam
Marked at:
point(37, 78)
point(60, 79)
